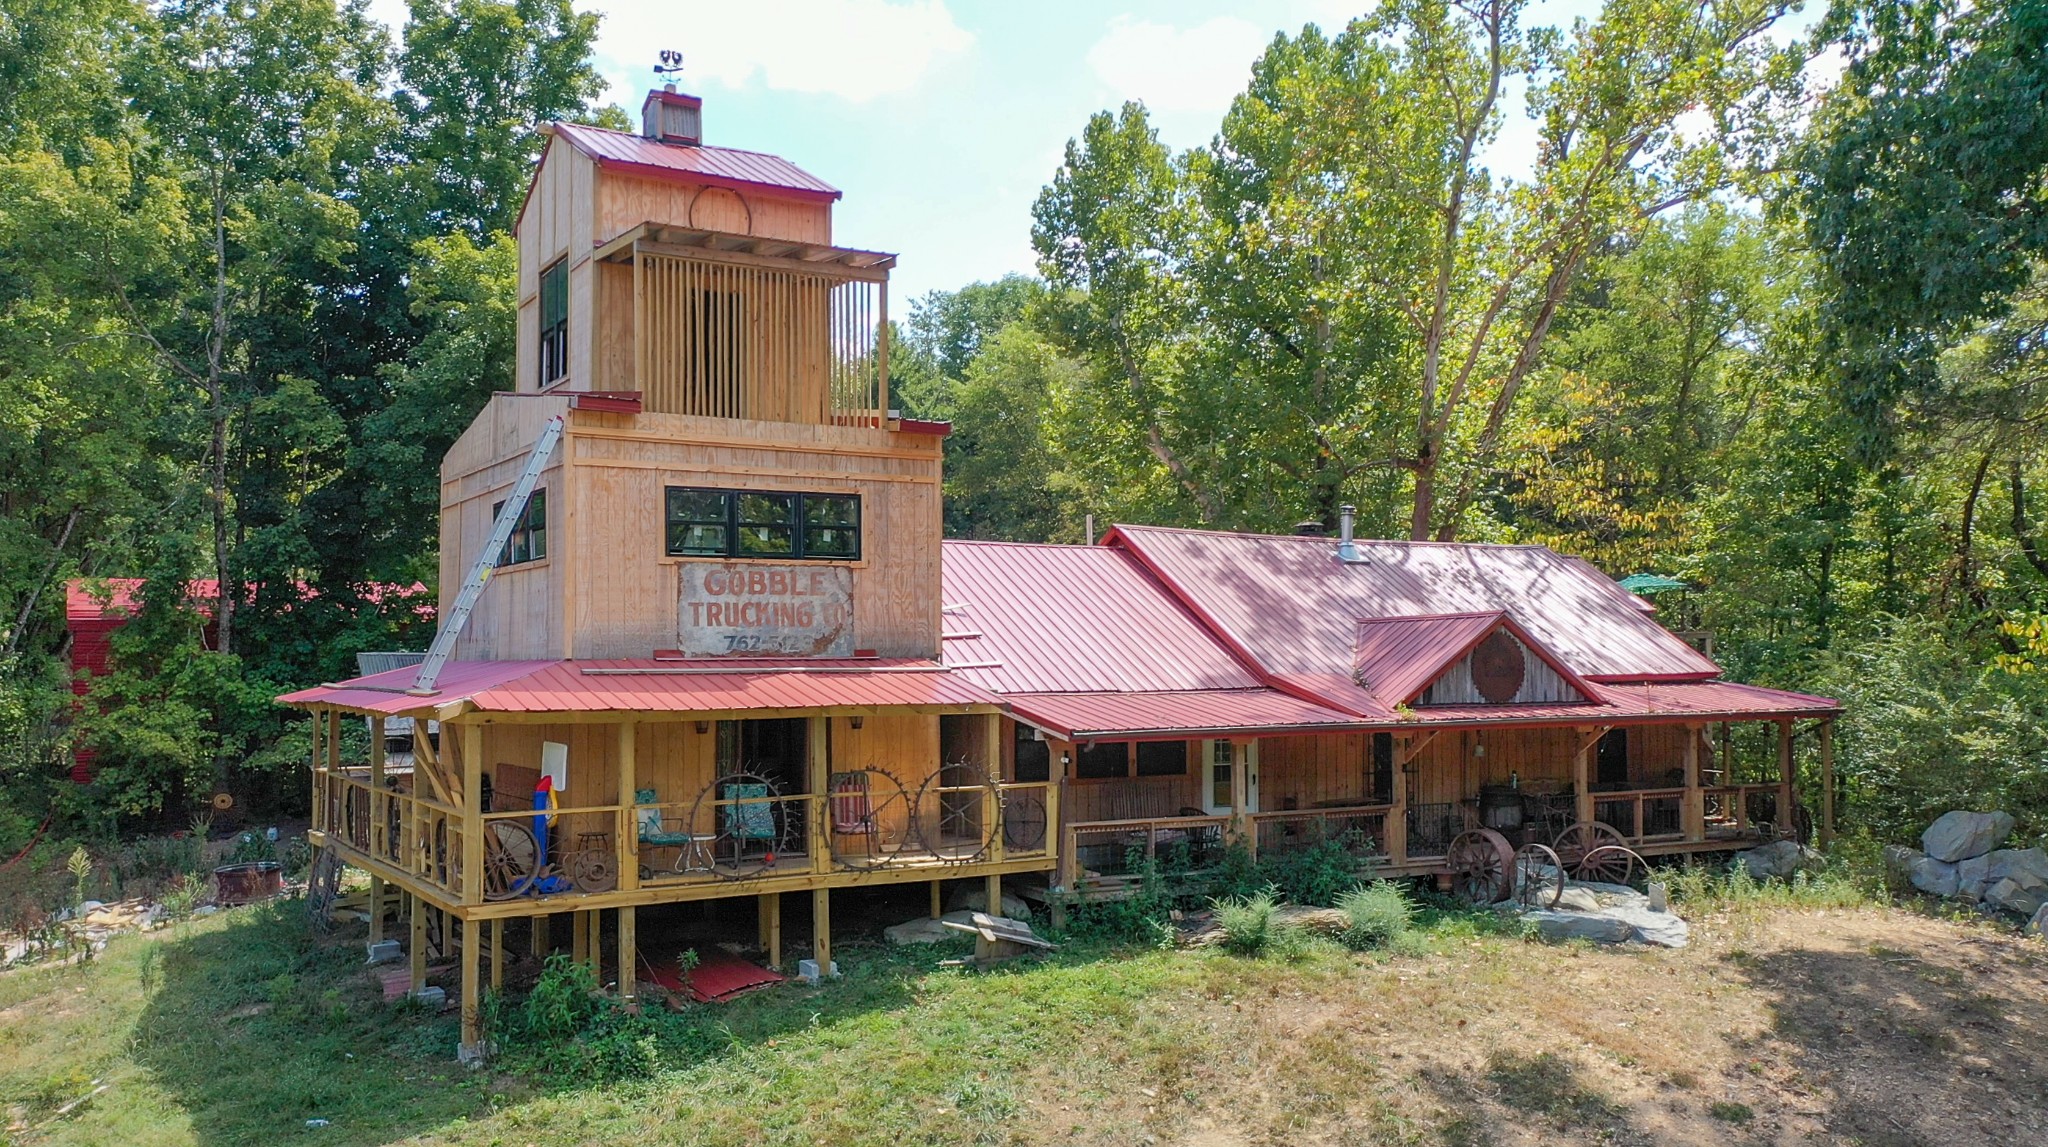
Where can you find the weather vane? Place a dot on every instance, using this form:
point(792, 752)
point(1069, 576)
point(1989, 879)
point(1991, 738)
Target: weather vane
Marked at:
point(671, 63)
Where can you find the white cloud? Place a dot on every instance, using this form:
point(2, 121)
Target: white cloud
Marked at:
point(853, 49)
point(1173, 69)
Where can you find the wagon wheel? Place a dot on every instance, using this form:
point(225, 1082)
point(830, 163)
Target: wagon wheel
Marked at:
point(951, 822)
point(1482, 866)
point(1612, 864)
point(1579, 840)
point(1539, 877)
point(1024, 822)
point(753, 827)
point(593, 870)
point(510, 856)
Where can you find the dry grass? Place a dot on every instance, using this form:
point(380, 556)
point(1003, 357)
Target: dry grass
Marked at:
point(1783, 1025)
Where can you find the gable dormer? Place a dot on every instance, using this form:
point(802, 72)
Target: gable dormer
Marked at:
point(1461, 659)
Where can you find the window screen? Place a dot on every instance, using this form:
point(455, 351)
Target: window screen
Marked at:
point(1104, 760)
point(1162, 758)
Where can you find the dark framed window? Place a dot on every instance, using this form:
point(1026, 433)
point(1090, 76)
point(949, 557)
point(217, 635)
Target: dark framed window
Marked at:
point(1104, 760)
point(529, 540)
point(1162, 758)
point(554, 322)
point(1034, 757)
point(756, 524)
point(1383, 766)
point(1610, 758)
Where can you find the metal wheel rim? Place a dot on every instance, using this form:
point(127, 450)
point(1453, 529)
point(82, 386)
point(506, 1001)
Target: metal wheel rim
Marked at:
point(1612, 864)
point(1482, 865)
point(510, 851)
point(1534, 886)
point(1574, 843)
point(934, 820)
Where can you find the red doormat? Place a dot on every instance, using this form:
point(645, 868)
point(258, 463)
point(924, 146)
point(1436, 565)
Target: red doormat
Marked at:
point(718, 976)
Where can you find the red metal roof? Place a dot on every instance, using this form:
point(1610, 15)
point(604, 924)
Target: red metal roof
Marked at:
point(718, 166)
point(1289, 605)
point(1675, 701)
point(1398, 657)
point(1073, 619)
point(647, 685)
point(1210, 712)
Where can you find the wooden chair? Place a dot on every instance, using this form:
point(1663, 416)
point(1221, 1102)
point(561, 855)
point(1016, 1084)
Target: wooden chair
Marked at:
point(853, 809)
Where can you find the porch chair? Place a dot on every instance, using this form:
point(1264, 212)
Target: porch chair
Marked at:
point(656, 831)
point(752, 822)
point(853, 810)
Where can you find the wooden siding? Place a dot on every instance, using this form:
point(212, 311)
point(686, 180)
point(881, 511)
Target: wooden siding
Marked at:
point(608, 588)
point(1540, 684)
point(625, 201)
point(1316, 771)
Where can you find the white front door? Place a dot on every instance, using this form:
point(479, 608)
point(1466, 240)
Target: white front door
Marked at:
point(1217, 763)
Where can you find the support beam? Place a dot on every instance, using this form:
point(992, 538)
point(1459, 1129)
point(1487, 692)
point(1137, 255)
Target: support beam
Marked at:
point(498, 954)
point(537, 937)
point(471, 1051)
point(774, 945)
point(629, 824)
point(579, 937)
point(376, 909)
point(1788, 820)
point(937, 902)
point(380, 844)
point(821, 930)
point(993, 892)
point(593, 923)
point(818, 761)
point(1582, 772)
point(472, 766)
point(1240, 793)
point(1396, 829)
point(1827, 782)
point(629, 954)
point(416, 947)
point(1695, 823)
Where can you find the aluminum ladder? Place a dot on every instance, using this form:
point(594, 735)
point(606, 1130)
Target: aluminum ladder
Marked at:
point(487, 560)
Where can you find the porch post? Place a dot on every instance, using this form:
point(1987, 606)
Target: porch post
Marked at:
point(416, 951)
point(471, 1050)
point(1397, 816)
point(1788, 824)
point(1827, 782)
point(1582, 769)
point(819, 770)
point(1240, 790)
point(376, 908)
point(579, 937)
point(537, 936)
point(1695, 798)
point(628, 819)
point(629, 970)
point(937, 903)
point(318, 761)
point(774, 941)
point(380, 843)
point(821, 930)
point(472, 765)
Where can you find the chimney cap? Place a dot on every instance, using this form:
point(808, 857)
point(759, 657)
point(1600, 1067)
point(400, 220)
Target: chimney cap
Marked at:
point(1310, 528)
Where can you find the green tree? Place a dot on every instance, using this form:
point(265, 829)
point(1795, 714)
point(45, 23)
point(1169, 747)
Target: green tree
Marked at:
point(1002, 477)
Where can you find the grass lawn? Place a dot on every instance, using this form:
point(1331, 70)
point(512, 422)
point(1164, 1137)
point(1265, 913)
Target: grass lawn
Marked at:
point(1784, 1024)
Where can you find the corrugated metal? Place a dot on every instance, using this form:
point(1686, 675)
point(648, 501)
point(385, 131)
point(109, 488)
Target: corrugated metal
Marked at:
point(1096, 716)
point(1540, 683)
point(721, 163)
point(1684, 700)
point(1396, 657)
point(1291, 605)
point(657, 686)
point(1073, 619)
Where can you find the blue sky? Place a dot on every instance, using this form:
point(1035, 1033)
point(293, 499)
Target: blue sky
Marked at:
point(941, 121)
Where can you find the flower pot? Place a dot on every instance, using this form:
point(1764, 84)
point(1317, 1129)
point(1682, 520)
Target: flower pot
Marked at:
point(248, 883)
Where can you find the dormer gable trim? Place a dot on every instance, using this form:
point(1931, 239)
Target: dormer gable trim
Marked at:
point(1400, 659)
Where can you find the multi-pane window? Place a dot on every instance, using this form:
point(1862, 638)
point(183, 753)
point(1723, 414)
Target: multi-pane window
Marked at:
point(752, 524)
point(529, 540)
point(554, 322)
point(1116, 760)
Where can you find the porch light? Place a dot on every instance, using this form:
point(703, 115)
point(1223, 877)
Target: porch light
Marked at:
point(703, 727)
point(856, 720)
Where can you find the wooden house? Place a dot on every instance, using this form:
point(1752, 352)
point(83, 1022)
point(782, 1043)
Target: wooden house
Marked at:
point(724, 652)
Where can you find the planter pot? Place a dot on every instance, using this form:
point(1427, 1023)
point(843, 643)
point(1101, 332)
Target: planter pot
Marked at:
point(248, 883)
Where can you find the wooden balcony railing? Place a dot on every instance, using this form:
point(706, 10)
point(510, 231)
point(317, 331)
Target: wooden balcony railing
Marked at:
point(1360, 830)
point(1643, 816)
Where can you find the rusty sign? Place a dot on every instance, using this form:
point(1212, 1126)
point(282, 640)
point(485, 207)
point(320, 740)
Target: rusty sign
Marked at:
point(765, 611)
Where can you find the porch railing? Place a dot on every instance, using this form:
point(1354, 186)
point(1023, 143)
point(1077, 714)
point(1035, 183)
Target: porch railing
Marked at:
point(1432, 828)
point(1736, 811)
point(1360, 830)
point(1122, 848)
point(1643, 815)
point(417, 835)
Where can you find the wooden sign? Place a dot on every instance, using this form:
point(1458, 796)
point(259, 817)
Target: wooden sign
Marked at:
point(1498, 667)
point(793, 610)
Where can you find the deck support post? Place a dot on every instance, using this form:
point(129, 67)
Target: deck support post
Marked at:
point(1827, 782)
point(593, 921)
point(821, 930)
point(416, 948)
point(1695, 815)
point(376, 908)
point(497, 953)
point(629, 823)
point(773, 944)
point(472, 766)
point(471, 1052)
point(579, 937)
point(993, 893)
point(937, 902)
point(1788, 821)
point(537, 936)
point(629, 942)
point(1582, 771)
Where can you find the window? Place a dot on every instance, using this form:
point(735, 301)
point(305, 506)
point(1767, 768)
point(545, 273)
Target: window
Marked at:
point(1383, 766)
point(1034, 757)
point(554, 322)
point(1162, 758)
point(529, 540)
point(1610, 759)
point(750, 524)
point(1103, 761)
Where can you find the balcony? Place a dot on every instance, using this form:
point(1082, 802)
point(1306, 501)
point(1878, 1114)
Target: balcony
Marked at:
point(736, 326)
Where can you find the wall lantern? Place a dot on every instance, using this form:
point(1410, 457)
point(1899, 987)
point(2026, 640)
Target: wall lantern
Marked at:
point(857, 720)
point(703, 727)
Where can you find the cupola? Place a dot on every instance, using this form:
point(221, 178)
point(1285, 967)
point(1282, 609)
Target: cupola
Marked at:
point(670, 116)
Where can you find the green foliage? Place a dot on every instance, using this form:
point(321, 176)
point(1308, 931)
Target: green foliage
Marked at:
point(1317, 873)
point(1249, 924)
point(1376, 915)
point(1732, 888)
point(1142, 917)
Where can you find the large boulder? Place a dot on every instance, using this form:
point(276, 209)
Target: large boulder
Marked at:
point(1780, 859)
point(1614, 924)
point(1932, 876)
point(1899, 861)
point(1961, 835)
point(2038, 926)
point(973, 899)
point(2022, 893)
point(1975, 876)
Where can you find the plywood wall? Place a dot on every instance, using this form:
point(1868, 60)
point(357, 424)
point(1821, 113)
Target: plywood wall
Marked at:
point(625, 201)
point(519, 614)
point(1315, 770)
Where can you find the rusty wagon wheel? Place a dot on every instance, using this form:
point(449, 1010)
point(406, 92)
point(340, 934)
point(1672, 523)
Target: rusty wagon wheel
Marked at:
point(1539, 876)
point(1612, 864)
point(510, 860)
point(1574, 843)
point(593, 870)
point(1482, 866)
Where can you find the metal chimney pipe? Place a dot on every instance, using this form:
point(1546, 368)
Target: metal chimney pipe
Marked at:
point(1347, 549)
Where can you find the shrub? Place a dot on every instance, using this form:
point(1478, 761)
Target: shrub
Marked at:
point(1315, 874)
point(1248, 923)
point(1375, 915)
point(1144, 917)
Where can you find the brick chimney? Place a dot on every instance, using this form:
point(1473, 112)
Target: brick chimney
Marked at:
point(672, 117)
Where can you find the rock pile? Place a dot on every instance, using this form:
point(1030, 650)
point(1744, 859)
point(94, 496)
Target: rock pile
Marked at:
point(1959, 857)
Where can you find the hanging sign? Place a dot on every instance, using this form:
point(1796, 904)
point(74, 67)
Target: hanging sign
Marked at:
point(791, 610)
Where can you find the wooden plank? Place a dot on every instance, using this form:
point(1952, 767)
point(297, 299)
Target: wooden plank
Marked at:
point(1788, 821)
point(774, 942)
point(629, 950)
point(416, 944)
point(472, 813)
point(627, 835)
point(472, 1017)
point(1827, 783)
point(821, 929)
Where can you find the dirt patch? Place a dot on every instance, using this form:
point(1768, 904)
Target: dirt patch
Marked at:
point(1873, 1027)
